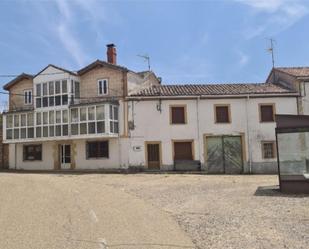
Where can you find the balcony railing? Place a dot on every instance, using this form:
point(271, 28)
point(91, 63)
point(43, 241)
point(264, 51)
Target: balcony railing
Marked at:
point(94, 120)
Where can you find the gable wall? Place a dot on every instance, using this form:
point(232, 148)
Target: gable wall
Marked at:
point(16, 98)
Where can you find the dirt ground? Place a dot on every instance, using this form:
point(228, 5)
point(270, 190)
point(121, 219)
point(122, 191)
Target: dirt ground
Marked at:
point(159, 210)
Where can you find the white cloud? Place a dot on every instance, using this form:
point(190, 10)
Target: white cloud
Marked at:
point(277, 15)
point(243, 58)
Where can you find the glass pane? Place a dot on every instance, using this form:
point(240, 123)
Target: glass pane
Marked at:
point(16, 120)
point(115, 113)
point(74, 129)
point(64, 130)
point(45, 101)
point(91, 127)
point(9, 121)
point(9, 134)
point(23, 133)
point(30, 121)
point(23, 118)
point(76, 90)
point(38, 90)
point(51, 131)
point(45, 131)
point(45, 117)
point(58, 130)
point(38, 102)
point(38, 118)
point(100, 127)
point(38, 132)
point(83, 128)
point(57, 87)
point(64, 86)
point(64, 116)
point(64, 99)
point(58, 100)
point(58, 117)
point(30, 132)
point(16, 133)
point(83, 112)
point(51, 117)
point(91, 111)
point(111, 112)
point(44, 89)
point(51, 101)
point(51, 88)
point(74, 115)
point(100, 112)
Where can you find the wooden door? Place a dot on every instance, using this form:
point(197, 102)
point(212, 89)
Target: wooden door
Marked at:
point(153, 155)
point(183, 151)
point(215, 155)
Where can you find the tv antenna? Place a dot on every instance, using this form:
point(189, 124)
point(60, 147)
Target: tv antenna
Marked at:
point(146, 58)
point(271, 50)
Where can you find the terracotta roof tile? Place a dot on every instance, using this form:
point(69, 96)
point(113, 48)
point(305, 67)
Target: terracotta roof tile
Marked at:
point(295, 71)
point(212, 89)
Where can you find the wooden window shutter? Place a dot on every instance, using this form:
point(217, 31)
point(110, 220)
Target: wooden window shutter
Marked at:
point(267, 113)
point(178, 115)
point(222, 114)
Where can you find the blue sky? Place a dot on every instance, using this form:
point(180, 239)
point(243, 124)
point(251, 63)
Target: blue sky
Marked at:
point(187, 41)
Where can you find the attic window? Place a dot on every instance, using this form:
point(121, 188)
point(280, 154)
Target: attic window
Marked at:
point(28, 97)
point(103, 87)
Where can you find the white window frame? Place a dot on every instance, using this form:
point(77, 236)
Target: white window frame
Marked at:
point(100, 81)
point(26, 97)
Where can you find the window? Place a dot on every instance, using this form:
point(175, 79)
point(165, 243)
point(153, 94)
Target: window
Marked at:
point(28, 97)
point(222, 114)
point(268, 150)
point(52, 93)
point(32, 152)
point(178, 115)
point(113, 117)
point(102, 87)
point(267, 112)
point(97, 149)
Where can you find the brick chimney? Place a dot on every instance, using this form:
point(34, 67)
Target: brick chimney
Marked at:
point(111, 53)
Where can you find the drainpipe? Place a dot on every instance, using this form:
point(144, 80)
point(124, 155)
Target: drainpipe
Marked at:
point(248, 136)
point(198, 128)
point(15, 148)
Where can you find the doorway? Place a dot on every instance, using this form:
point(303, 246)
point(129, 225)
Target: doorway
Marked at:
point(65, 156)
point(153, 155)
point(224, 154)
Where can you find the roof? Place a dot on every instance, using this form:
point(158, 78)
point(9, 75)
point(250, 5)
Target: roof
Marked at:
point(295, 71)
point(20, 77)
point(59, 68)
point(212, 89)
point(99, 63)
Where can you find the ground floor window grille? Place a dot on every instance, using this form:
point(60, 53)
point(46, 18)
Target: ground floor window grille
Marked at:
point(32, 152)
point(268, 150)
point(97, 149)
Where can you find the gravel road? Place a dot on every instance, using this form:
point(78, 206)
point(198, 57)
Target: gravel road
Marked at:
point(149, 211)
point(72, 211)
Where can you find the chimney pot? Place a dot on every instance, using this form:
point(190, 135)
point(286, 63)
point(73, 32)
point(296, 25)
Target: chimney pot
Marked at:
point(111, 53)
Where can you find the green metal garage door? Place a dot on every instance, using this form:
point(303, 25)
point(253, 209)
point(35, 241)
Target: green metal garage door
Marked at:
point(224, 155)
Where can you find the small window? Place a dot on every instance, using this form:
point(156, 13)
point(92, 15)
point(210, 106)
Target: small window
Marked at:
point(222, 114)
point(178, 114)
point(28, 97)
point(268, 150)
point(102, 87)
point(97, 149)
point(32, 152)
point(267, 113)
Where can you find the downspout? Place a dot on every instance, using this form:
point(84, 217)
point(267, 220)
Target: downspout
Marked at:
point(248, 136)
point(198, 129)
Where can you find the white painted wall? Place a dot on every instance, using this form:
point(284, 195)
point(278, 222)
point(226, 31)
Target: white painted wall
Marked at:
point(16, 158)
point(151, 125)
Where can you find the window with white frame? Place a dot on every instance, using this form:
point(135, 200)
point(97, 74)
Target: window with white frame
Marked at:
point(88, 120)
point(20, 126)
point(52, 93)
point(113, 119)
point(103, 87)
point(28, 97)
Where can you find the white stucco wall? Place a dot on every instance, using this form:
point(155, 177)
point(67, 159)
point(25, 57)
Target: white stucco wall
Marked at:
point(151, 125)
